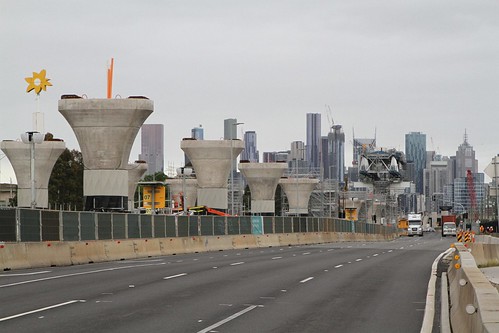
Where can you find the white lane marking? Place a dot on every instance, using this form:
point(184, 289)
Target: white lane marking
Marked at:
point(77, 274)
point(276, 258)
point(174, 276)
point(41, 309)
point(330, 250)
point(226, 320)
point(375, 255)
point(237, 263)
point(307, 279)
point(305, 253)
point(214, 267)
point(338, 266)
point(400, 248)
point(358, 259)
point(390, 251)
point(24, 274)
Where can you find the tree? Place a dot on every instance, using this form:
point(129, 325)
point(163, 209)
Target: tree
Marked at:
point(66, 181)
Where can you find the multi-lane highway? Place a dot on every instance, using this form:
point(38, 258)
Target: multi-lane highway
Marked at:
point(338, 287)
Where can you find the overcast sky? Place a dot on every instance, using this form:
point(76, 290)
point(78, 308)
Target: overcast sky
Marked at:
point(386, 66)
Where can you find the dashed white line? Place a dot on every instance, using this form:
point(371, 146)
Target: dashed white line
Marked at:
point(275, 258)
point(307, 279)
point(41, 309)
point(234, 316)
point(305, 253)
point(375, 255)
point(390, 251)
point(237, 263)
point(338, 266)
point(358, 259)
point(174, 276)
point(80, 273)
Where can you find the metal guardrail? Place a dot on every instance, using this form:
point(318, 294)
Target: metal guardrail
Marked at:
point(33, 225)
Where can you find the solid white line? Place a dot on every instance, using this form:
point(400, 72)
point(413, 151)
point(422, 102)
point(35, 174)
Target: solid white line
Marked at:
point(76, 274)
point(221, 322)
point(276, 258)
point(174, 276)
point(338, 266)
point(237, 263)
point(39, 310)
point(307, 279)
point(24, 274)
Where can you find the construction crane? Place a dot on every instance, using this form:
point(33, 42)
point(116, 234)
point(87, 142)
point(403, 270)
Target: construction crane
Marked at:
point(329, 115)
point(472, 195)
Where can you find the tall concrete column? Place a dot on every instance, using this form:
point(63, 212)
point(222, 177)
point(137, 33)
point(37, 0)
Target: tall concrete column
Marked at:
point(135, 172)
point(106, 130)
point(178, 188)
point(46, 154)
point(298, 192)
point(211, 160)
point(262, 179)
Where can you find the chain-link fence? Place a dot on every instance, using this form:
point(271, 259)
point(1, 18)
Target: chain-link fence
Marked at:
point(31, 225)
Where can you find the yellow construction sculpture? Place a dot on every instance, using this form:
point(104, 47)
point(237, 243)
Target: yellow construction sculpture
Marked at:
point(38, 82)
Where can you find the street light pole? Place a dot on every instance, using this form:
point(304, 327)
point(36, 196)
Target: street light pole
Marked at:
point(184, 172)
point(32, 138)
point(232, 168)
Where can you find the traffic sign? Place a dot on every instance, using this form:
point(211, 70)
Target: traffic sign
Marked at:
point(492, 170)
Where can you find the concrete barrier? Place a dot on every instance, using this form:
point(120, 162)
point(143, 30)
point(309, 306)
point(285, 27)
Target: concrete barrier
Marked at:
point(13, 256)
point(87, 252)
point(46, 254)
point(29, 255)
point(474, 301)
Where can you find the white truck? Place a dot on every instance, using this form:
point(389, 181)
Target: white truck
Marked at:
point(415, 227)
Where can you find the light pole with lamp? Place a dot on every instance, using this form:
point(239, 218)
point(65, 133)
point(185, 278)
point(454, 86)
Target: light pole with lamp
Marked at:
point(32, 138)
point(232, 137)
point(184, 172)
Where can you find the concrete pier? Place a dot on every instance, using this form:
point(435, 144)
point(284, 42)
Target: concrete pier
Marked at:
point(135, 172)
point(105, 130)
point(19, 155)
point(176, 191)
point(298, 192)
point(211, 160)
point(262, 179)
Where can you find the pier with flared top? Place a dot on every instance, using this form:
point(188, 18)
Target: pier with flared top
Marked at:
point(105, 130)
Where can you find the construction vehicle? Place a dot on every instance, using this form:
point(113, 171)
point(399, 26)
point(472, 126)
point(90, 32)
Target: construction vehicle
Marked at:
point(203, 210)
point(402, 226)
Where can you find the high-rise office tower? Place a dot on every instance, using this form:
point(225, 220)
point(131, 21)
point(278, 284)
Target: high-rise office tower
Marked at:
point(313, 139)
point(336, 153)
point(250, 152)
point(197, 133)
point(415, 151)
point(152, 147)
point(465, 159)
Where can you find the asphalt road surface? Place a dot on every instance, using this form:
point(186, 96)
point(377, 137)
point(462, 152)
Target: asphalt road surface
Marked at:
point(336, 287)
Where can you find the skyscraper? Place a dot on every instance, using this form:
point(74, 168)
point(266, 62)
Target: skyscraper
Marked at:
point(197, 133)
point(336, 153)
point(152, 147)
point(415, 151)
point(313, 139)
point(465, 159)
point(250, 152)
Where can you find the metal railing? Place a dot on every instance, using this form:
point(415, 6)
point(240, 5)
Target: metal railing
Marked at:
point(33, 225)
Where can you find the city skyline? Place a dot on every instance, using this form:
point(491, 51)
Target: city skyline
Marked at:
point(387, 69)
